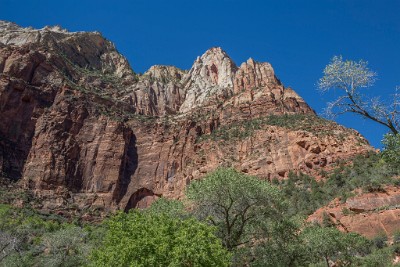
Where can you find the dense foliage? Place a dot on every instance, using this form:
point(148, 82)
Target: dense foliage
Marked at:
point(238, 205)
point(391, 153)
point(28, 238)
point(142, 239)
point(256, 224)
point(330, 244)
point(228, 219)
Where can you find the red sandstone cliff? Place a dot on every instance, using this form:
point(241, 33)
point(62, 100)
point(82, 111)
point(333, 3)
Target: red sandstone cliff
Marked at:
point(369, 214)
point(79, 127)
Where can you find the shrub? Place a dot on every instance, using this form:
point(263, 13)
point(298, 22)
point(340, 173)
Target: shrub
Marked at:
point(391, 152)
point(380, 241)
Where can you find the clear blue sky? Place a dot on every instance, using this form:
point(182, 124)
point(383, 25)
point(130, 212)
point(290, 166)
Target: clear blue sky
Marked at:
point(297, 37)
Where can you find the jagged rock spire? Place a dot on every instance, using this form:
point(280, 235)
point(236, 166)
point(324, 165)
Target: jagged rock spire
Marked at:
point(211, 74)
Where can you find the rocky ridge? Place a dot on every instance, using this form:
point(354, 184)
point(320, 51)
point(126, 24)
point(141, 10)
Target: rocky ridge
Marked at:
point(80, 128)
point(370, 214)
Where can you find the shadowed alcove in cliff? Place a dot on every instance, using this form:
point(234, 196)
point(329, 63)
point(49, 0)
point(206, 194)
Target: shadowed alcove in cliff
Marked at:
point(12, 158)
point(128, 168)
point(141, 199)
point(16, 128)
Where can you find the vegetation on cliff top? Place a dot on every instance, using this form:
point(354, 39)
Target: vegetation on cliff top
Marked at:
point(297, 122)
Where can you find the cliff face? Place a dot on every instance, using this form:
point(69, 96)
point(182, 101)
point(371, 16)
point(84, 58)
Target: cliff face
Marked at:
point(80, 128)
point(369, 214)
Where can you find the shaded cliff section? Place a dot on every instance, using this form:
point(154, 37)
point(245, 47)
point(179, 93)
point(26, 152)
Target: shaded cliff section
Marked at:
point(61, 127)
point(79, 128)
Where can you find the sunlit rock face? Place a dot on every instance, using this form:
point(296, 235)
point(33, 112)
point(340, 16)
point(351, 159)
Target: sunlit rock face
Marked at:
point(212, 74)
point(80, 128)
point(85, 49)
point(369, 214)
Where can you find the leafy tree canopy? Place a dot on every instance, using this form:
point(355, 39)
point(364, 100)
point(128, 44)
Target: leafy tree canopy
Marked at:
point(329, 244)
point(145, 239)
point(172, 208)
point(240, 206)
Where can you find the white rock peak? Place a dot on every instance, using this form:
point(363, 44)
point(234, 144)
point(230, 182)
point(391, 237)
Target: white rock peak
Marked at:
point(211, 74)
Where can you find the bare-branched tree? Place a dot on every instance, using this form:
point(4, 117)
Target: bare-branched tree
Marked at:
point(350, 77)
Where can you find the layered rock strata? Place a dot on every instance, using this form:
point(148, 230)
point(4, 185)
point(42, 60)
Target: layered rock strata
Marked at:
point(80, 128)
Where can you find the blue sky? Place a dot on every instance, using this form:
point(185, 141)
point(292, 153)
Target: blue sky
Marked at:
point(297, 37)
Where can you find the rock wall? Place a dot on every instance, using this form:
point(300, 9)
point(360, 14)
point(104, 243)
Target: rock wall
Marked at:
point(80, 128)
point(369, 214)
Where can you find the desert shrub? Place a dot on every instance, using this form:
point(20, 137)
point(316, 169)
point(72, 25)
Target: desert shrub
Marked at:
point(378, 258)
point(304, 194)
point(380, 241)
point(243, 129)
point(396, 237)
point(284, 247)
point(368, 172)
point(34, 239)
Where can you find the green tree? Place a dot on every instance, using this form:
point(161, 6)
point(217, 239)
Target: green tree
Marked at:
point(145, 239)
point(172, 208)
point(283, 248)
point(329, 244)
point(350, 77)
point(391, 152)
point(379, 258)
point(241, 207)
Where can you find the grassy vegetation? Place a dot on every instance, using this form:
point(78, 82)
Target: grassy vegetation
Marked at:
point(97, 86)
point(244, 129)
point(162, 79)
point(28, 238)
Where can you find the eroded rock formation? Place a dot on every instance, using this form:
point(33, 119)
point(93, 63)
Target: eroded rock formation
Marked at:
point(79, 127)
point(369, 214)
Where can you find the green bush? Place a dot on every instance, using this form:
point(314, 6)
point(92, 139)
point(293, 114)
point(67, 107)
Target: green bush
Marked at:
point(380, 241)
point(145, 239)
point(33, 239)
point(391, 152)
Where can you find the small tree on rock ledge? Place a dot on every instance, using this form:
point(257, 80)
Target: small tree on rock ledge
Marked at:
point(350, 77)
